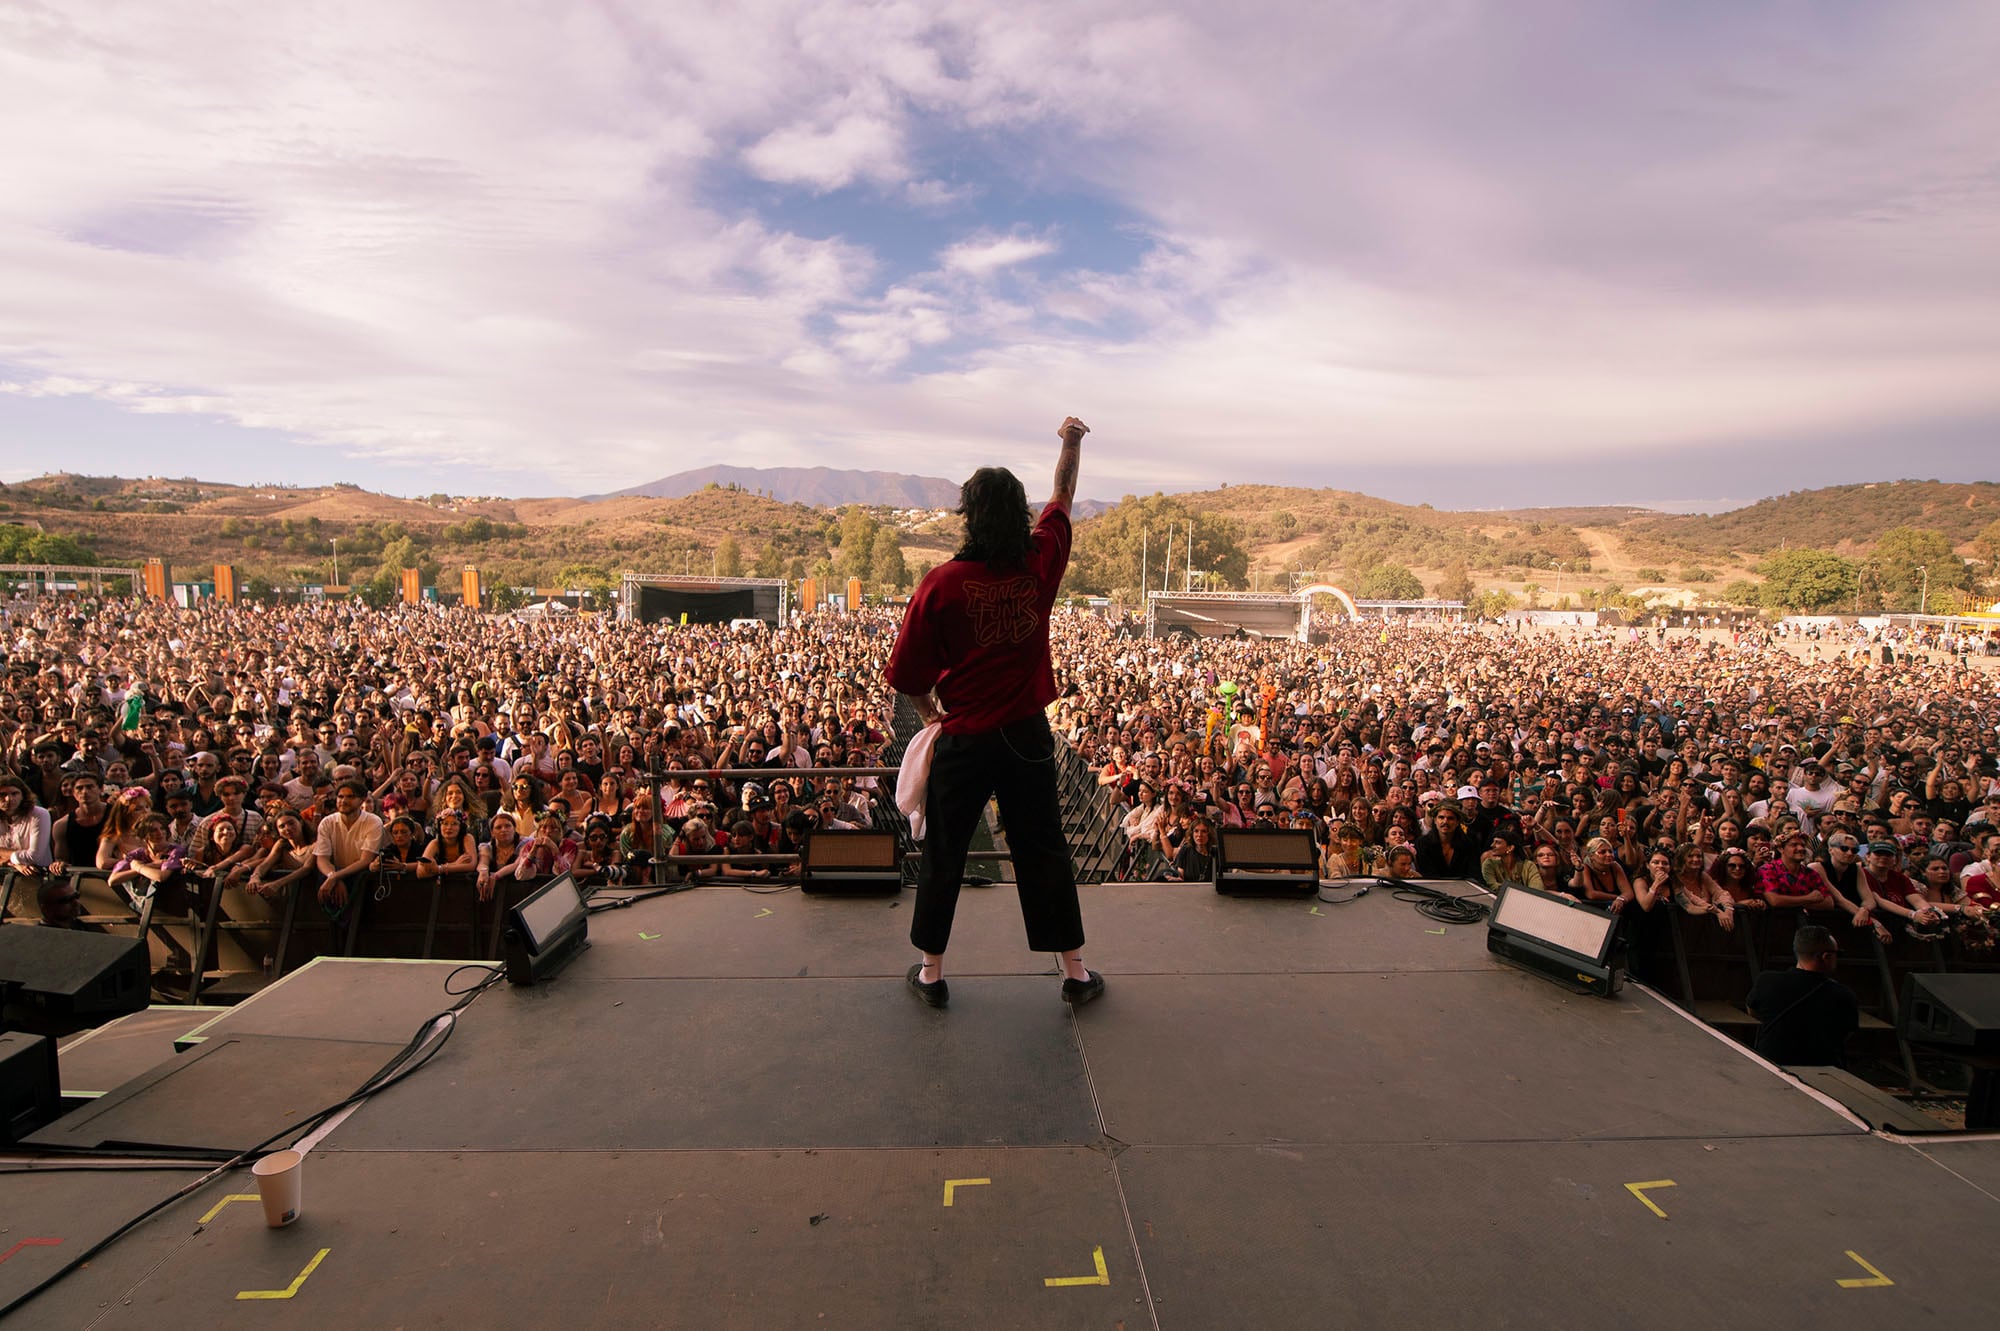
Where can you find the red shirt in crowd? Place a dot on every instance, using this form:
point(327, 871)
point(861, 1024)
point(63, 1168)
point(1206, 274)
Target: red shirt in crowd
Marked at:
point(1774, 879)
point(980, 636)
point(1896, 887)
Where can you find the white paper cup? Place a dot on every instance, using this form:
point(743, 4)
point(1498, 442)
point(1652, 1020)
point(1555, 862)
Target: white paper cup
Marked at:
point(280, 1178)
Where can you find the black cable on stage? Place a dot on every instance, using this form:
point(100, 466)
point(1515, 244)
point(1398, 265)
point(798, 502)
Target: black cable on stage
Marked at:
point(595, 907)
point(1361, 890)
point(384, 1077)
point(1433, 904)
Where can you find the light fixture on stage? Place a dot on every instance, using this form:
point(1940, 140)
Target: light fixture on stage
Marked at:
point(849, 862)
point(1266, 862)
point(1563, 940)
point(544, 930)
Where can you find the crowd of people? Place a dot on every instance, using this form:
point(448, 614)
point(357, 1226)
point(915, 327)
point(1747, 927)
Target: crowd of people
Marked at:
point(279, 747)
point(1675, 771)
point(263, 747)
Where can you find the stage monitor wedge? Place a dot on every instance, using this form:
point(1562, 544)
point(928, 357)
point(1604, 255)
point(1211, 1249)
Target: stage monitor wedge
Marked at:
point(73, 972)
point(30, 1090)
point(1956, 1011)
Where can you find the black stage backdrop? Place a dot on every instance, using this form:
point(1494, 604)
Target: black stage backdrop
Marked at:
point(700, 607)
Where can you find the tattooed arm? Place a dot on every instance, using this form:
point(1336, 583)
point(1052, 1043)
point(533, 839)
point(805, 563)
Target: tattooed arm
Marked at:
point(1067, 462)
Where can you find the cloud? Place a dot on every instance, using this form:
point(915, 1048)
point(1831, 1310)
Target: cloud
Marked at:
point(982, 256)
point(853, 148)
point(1349, 235)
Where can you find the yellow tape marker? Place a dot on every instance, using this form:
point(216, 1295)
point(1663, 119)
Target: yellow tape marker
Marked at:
point(1103, 1276)
point(1312, 910)
point(951, 1183)
point(1878, 1282)
point(1639, 1190)
point(762, 913)
point(648, 937)
point(216, 1209)
point(290, 1289)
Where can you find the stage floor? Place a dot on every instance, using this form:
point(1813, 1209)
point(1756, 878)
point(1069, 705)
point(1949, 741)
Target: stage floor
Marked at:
point(729, 1112)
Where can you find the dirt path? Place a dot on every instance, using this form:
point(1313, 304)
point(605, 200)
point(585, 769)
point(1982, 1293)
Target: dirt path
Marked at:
point(1607, 553)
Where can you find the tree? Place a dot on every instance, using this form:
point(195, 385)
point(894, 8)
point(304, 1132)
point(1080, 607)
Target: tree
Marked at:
point(1741, 592)
point(1533, 591)
point(1112, 548)
point(1986, 549)
point(770, 562)
point(22, 545)
point(1454, 583)
point(1905, 558)
point(1806, 579)
point(729, 558)
point(858, 529)
point(385, 588)
point(1389, 582)
point(402, 553)
point(887, 567)
point(590, 579)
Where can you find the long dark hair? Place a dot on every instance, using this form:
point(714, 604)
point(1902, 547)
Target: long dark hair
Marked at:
point(998, 530)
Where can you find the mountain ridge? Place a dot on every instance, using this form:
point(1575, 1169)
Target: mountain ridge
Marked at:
point(827, 487)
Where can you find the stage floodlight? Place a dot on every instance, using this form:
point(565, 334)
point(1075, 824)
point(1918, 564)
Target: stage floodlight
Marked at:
point(850, 862)
point(544, 930)
point(1266, 862)
point(1573, 944)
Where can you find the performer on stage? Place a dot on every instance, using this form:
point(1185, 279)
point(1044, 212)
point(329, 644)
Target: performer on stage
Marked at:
point(973, 654)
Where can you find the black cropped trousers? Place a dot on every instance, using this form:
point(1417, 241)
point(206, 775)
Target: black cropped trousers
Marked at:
point(1014, 764)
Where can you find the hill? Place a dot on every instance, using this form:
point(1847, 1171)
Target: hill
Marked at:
point(1843, 517)
point(826, 487)
point(289, 535)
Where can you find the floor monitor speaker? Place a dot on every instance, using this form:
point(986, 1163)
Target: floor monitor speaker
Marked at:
point(73, 972)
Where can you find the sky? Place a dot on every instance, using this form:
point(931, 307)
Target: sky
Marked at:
point(1688, 253)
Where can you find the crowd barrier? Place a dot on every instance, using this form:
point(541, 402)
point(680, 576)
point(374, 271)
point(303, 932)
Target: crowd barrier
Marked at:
point(1708, 971)
point(221, 941)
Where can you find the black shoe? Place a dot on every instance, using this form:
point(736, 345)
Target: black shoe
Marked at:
point(937, 994)
point(1078, 992)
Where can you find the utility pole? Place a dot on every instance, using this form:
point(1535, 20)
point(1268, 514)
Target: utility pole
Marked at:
point(1924, 599)
point(336, 559)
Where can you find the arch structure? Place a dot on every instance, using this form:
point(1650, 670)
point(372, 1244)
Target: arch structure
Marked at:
point(1307, 593)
